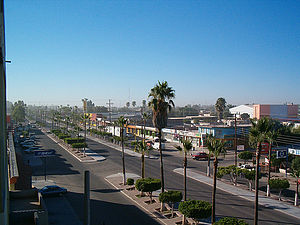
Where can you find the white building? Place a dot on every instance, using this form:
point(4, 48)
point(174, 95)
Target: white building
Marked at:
point(239, 110)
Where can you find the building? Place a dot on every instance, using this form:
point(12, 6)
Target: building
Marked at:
point(241, 109)
point(280, 112)
point(226, 133)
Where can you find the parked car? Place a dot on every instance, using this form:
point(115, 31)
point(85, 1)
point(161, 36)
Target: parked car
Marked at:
point(199, 155)
point(246, 166)
point(52, 190)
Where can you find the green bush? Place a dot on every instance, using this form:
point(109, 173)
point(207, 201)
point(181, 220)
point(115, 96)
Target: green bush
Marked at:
point(148, 185)
point(230, 221)
point(79, 145)
point(130, 181)
point(246, 155)
point(170, 197)
point(63, 136)
point(74, 140)
point(195, 209)
point(277, 183)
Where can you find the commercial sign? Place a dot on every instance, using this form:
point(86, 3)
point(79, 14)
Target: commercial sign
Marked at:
point(240, 147)
point(44, 153)
point(281, 154)
point(294, 151)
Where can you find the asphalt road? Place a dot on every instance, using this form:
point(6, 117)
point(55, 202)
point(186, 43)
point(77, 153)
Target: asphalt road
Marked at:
point(111, 207)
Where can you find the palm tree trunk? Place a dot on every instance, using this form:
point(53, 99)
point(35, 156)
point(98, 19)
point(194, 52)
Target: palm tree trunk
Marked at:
point(161, 163)
point(184, 166)
point(161, 169)
point(256, 184)
point(143, 164)
point(123, 157)
point(208, 166)
point(297, 192)
point(269, 170)
point(213, 209)
point(84, 137)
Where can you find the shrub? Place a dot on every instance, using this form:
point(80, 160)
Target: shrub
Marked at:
point(79, 145)
point(148, 185)
point(63, 136)
point(170, 197)
point(230, 221)
point(279, 184)
point(74, 140)
point(195, 209)
point(246, 155)
point(130, 181)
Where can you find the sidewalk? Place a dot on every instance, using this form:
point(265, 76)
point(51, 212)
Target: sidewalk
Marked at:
point(250, 196)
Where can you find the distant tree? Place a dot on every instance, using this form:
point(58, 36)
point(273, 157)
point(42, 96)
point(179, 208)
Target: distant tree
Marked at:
point(245, 116)
point(279, 184)
point(127, 104)
point(220, 107)
point(133, 104)
point(18, 111)
point(144, 104)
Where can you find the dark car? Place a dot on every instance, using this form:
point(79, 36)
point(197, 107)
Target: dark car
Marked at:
point(52, 190)
point(199, 155)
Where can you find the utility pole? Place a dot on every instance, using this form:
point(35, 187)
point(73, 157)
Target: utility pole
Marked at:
point(235, 142)
point(109, 108)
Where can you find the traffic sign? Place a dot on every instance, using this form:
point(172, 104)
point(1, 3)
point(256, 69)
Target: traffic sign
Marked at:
point(281, 154)
point(44, 153)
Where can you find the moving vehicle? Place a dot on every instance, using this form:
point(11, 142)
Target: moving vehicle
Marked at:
point(199, 155)
point(52, 190)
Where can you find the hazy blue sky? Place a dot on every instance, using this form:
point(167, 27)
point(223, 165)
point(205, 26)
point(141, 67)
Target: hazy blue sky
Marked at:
point(65, 50)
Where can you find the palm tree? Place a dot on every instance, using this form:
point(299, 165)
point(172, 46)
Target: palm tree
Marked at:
point(258, 134)
point(145, 116)
point(187, 146)
point(271, 138)
point(216, 147)
point(84, 117)
point(122, 122)
point(161, 102)
point(143, 148)
point(220, 107)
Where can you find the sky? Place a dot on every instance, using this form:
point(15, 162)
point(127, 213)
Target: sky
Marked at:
point(64, 51)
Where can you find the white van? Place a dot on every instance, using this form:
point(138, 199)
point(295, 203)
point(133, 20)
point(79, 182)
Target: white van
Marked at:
point(156, 144)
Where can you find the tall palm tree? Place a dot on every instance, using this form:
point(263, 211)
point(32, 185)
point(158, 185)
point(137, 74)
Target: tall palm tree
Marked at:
point(220, 107)
point(216, 147)
point(258, 135)
point(160, 101)
point(122, 122)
